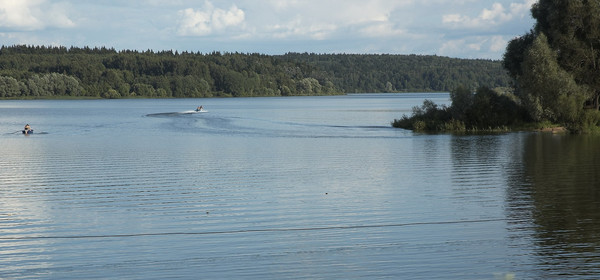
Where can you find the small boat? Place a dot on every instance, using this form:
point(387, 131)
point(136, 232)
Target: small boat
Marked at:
point(28, 131)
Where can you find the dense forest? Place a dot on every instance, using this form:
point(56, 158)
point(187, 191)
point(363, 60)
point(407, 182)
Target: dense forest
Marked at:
point(403, 73)
point(45, 72)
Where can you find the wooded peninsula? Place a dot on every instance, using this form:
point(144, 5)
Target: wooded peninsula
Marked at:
point(29, 72)
point(555, 69)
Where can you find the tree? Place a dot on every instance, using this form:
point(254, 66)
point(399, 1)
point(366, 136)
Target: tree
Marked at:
point(144, 90)
point(573, 30)
point(491, 110)
point(549, 91)
point(111, 94)
point(556, 65)
point(309, 86)
point(462, 100)
point(515, 54)
point(9, 87)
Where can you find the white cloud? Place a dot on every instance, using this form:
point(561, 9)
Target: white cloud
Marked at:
point(498, 44)
point(494, 16)
point(318, 19)
point(298, 27)
point(55, 15)
point(522, 8)
point(29, 15)
point(17, 14)
point(381, 29)
point(479, 46)
point(209, 19)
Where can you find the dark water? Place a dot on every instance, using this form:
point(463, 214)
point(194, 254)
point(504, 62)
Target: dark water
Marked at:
point(310, 187)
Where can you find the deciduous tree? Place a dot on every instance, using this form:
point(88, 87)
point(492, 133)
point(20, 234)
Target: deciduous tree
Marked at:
point(556, 65)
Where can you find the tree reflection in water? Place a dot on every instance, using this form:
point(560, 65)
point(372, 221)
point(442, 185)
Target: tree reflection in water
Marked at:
point(554, 194)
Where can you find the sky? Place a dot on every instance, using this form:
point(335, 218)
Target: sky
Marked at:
point(454, 28)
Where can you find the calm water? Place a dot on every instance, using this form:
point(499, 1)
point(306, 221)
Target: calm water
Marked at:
point(274, 188)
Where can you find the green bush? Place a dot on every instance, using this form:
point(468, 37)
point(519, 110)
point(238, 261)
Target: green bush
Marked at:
point(486, 110)
point(419, 126)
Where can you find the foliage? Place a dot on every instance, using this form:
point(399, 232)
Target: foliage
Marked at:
point(491, 110)
point(41, 72)
point(485, 110)
point(402, 73)
point(28, 71)
point(40, 86)
point(548, 91)
point(462, 100)
point(556, 66)
point(427, 117)
point(515, 54)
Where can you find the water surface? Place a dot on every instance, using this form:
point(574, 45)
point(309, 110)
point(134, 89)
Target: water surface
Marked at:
point(302, 187)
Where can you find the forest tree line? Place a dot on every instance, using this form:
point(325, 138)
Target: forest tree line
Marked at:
point(357, 73)
point(43, 72)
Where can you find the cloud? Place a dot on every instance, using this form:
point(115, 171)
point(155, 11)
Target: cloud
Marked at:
point(208, 20)
point(381, 29)
point(522, 9)
point(487, 18)
point(298, 27)
point(321, 20)
point(478, 46)
point(457, 28)
point(498, 43)
point(30, 15)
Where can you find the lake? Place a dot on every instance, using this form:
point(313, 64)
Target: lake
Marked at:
point(287, 188)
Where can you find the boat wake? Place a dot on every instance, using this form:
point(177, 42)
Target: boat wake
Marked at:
point(194, 112)
point(260, 127)
point(175, 114)
point(19, 132)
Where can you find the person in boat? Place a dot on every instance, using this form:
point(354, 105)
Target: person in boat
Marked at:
point(27, 129)
point(199, 108)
